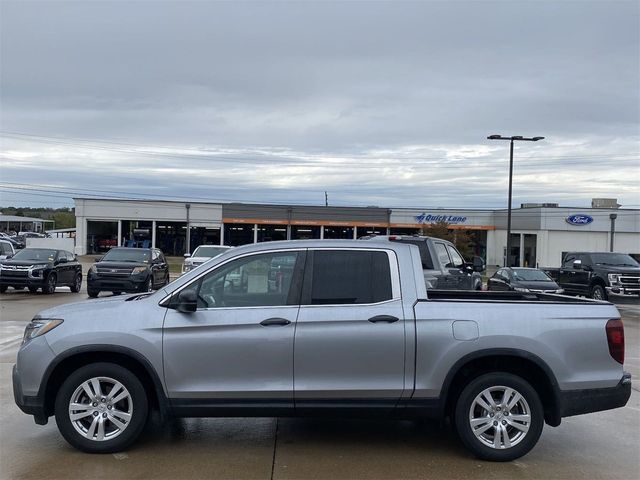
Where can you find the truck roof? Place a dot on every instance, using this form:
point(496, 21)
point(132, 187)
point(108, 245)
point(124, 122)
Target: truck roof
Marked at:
point(255, 247)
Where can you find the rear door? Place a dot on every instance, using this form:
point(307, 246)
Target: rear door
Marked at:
point(350, 334)
point(446, 281)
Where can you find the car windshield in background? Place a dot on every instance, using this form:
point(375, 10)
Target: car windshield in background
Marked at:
point(205, 251)
point(35, 254)
point(617, 259)
point(127, 255)
point(531, 275)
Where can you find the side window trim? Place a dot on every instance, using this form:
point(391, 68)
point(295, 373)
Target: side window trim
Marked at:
point(305, 298)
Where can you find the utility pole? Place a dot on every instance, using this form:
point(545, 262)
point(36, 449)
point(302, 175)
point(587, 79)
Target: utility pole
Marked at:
point(188, 239)
point(612, 217)
point(511, 139)
point(326, 199)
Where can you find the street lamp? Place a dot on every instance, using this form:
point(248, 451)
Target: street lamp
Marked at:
point(511, 140)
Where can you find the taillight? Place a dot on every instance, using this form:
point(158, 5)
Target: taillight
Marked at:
point(615, 339)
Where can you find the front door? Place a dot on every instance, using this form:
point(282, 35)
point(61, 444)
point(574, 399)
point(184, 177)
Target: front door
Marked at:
point(350, 334)
point(237, 348)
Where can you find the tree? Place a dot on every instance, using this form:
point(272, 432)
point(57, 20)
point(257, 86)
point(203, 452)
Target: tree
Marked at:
point(463, 241)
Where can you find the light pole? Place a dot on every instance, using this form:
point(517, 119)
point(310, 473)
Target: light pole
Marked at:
point(511, 140)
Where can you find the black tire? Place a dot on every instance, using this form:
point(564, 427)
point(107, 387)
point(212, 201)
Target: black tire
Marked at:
point(50, 285)
point(167, 280)
point(598, 292)
point(33, 289)
point(147, 286)
point(93, 293)
point(77, 283)
point(503, 419)
point(3, 288)
point(136, 402)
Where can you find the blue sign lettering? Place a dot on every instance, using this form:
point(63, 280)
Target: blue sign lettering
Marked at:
point(429, 218)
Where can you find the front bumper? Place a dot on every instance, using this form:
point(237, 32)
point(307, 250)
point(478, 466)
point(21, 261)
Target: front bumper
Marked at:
point(624, 291)
point(126, 284)
point(23, 281)
point(578, 402)
point(29, 405)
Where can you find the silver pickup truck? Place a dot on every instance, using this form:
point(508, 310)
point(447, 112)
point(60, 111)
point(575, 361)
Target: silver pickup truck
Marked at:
point(322, 327)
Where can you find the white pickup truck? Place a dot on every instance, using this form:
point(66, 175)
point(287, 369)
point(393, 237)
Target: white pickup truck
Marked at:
point(322, 327)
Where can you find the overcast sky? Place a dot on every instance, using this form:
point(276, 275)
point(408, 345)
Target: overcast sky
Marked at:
point(378, 103)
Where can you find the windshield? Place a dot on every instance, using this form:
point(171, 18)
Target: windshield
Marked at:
point(530, 275)
point(36, 254)
point(208, 251)
point(127, 255)
point(617, 259)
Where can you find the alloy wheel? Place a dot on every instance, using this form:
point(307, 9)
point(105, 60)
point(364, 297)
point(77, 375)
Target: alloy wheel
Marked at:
point(100, 409)
point(500, 417)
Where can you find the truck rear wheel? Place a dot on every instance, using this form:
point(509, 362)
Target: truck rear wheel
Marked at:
point(101, 408)
point(499, 417)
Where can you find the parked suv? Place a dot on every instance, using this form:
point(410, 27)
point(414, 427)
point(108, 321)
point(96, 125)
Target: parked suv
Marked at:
point(128, 270)
point(41, 268)
point(202, 254)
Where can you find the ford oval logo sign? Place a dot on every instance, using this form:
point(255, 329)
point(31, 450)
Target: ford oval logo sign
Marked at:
point(579, 220)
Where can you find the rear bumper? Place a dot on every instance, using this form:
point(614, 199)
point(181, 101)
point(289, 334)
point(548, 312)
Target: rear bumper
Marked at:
point(578, 402)
point(29, 405)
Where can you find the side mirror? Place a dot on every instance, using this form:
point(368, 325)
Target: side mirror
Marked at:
point(478, 264)
point(577, 264)
point(9, 256)
point(96, 260)
point(62, 260)
point(187, 301)
point(187, 255)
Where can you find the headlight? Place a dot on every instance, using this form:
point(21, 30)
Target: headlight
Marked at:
point(614, 278)
point(39, 326)
point(560, 290)
point(36, 271)
point(520, 289)
point(186, 267)
point(93, 269)
point(138, 270)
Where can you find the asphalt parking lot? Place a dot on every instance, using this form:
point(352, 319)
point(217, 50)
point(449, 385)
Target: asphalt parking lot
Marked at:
point(601, 445)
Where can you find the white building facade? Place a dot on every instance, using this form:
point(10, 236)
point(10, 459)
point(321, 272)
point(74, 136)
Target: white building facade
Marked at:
point(540, 235)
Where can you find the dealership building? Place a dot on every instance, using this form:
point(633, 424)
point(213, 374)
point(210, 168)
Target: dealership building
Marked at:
point(541, 233)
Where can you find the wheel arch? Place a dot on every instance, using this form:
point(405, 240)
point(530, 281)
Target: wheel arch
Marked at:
point(75, 358)
point(518, 362)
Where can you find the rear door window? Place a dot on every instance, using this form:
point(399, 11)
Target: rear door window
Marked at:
point(340, 277)
point(425, 257)
point(456, 258)
point(443, 256)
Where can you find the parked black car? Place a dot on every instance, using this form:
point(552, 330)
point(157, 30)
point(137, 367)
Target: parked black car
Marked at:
point(43, 268)
point(128, 270)
point(598, 274)
point(522, 280)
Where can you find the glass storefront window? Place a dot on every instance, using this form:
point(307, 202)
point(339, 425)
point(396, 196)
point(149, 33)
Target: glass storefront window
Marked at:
point(204, 236)
point(238, 234)
point(303, 232)
point(136, 233)
point(338, 232)
point(270, 233)
point(171, 237)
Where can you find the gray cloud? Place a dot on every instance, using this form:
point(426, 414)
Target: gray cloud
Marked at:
point(331, 84)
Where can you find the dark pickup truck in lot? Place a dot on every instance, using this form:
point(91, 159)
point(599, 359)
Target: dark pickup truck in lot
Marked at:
point(443, 266)
point(598, 274)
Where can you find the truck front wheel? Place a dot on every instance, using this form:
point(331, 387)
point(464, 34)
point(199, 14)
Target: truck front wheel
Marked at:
point(101, 408)
point(598, 292)
point(499, 417)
